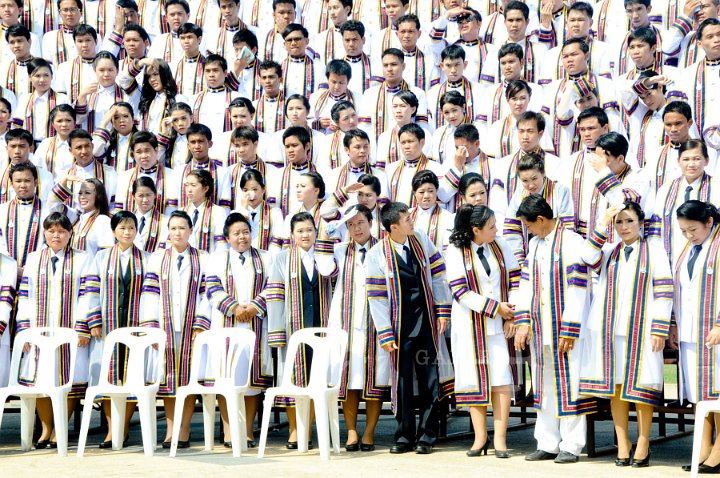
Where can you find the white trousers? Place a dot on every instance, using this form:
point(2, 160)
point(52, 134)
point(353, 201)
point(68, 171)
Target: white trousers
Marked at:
point(555, 434)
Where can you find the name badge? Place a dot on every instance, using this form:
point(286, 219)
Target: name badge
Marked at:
point(205, 230)
point(468, 266)
point(709, 270)
point(153, 233)
point(293, 275)
point(266, 226)
point(11, 225)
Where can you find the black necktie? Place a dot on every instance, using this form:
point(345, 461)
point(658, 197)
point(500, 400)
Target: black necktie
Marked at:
point(195, 217)
point(483, 260)
point(252, 216)
point(409, 260)
point(179, 261)
point(242, 259)
point(628, 251)
point(142, 224)
point(54, 260)
point(693, 258)
point(362, 254)
point(688, 190)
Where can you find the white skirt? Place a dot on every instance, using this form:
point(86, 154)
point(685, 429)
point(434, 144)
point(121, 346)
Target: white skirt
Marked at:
point(689, 371)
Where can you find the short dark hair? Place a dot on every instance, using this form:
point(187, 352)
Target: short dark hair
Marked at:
point(78, 3)
point(78, 133)
point(122, 216)
point(241, 102)
point(584, 47)
point(132, 27)
point(680, 107)
point(413, 129)
point(144, 182)
point(409, 18)
point(467, 180)
point(643, 34)
point(181, 214)
point(594, 112)
point(271, 65)
point(232, 219)
point(295, 27)
point(296, 97)
point(390, 214)
point(583, 7)
point(353, 26)
point(199, 128)
point(63, 108)
point(214, 59)
point(534, 206)
point(57, 219)
point(190, 28)
point(245, 36)
point(17, 30)
point(19, 134)
point(275, 3)
point(511, 49)
point(252, 175)
point(105, 55)
point(396, 52)
point(694, 144)
point(301, 217)
point(338, 67)
point(519, 6)
point(708, 22)
point(142, 137)
point(698, 211)
point(516, 86)
point(537, 118)
point(425, 177)
point(453, 97)
point(645, 3)
point(182, 3)
point(372, 181)
point(245, 132)
point(82, 30)
point(298, 132)
point(614, 143)
point(353, 134)
point(453, 52)
point(24, 166)
point(37, 63)
point(360, 209)
point(468, 132)
point(339, 107)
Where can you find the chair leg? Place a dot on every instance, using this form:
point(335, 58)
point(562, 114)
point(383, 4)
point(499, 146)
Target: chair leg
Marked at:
point(208, 401)
point(27, 422)
point(85, 423)
point(117, 415)
point(701, 411)
point(267, 407)
point(60, 417)
point(304, 426)
point(242, 422)
point(177, 420)
point(234, 420)
point(334, 419)
point(148, 422)
point(323, 432)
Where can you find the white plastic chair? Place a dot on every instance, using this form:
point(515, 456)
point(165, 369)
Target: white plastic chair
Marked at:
point(47, 340)
point(328, 354)
point(702, 408)
point(139, 341)
point(221, 353)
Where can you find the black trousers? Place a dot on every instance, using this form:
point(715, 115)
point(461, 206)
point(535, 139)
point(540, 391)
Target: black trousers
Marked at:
point(418, 355)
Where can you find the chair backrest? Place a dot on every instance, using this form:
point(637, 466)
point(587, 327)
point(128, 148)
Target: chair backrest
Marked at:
point(48, 341)
point(222, 352)
point(329, 345)
point(139, 342)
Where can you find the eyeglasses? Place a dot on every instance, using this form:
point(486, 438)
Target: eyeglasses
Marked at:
point(294, 40)
point(69, 10)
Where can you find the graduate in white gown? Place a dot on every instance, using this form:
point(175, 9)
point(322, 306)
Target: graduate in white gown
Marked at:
point(173, 300)
point(696, 331)
point(266, 223)
point(482, 273)
point(150, 220)
point(59, 288)
point(237, 280)
point(8, 281)
point(366, 372)
point(627, 327)
point(429, 216)
point(121, 270)
point(550, 319)
point(208, 218)
point(91, 222)
point(299, 291)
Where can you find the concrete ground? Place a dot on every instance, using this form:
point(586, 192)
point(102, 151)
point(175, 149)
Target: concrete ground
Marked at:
point(448, 458)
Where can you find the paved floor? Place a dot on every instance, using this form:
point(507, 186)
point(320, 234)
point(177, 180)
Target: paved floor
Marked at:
point(449, 458)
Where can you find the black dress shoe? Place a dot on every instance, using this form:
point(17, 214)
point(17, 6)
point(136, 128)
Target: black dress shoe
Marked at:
point(367, 447)
point(709, 470)
point(53, 444)
point(622, 461)
point(167, 444)
point(352, 447)
point(227, 444)
point(689, 467)
point(540, 455)
point(400, 448)
point(42, 444)
point(566, 457)
point(644, 463)
point(105, 445)
point(184, 444)
point(251, 444)
point(502, 454)
point(423, 448)
point(293, 445)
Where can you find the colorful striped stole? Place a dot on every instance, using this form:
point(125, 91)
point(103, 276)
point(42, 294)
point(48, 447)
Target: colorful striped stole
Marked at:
point(31, 235)
point(80, 233)
point(669, 207)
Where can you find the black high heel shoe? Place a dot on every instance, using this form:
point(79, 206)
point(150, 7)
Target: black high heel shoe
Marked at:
point(42, 444)
point(709, 470)
point(502, 454)
point(479, 451)
point(644, 463)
